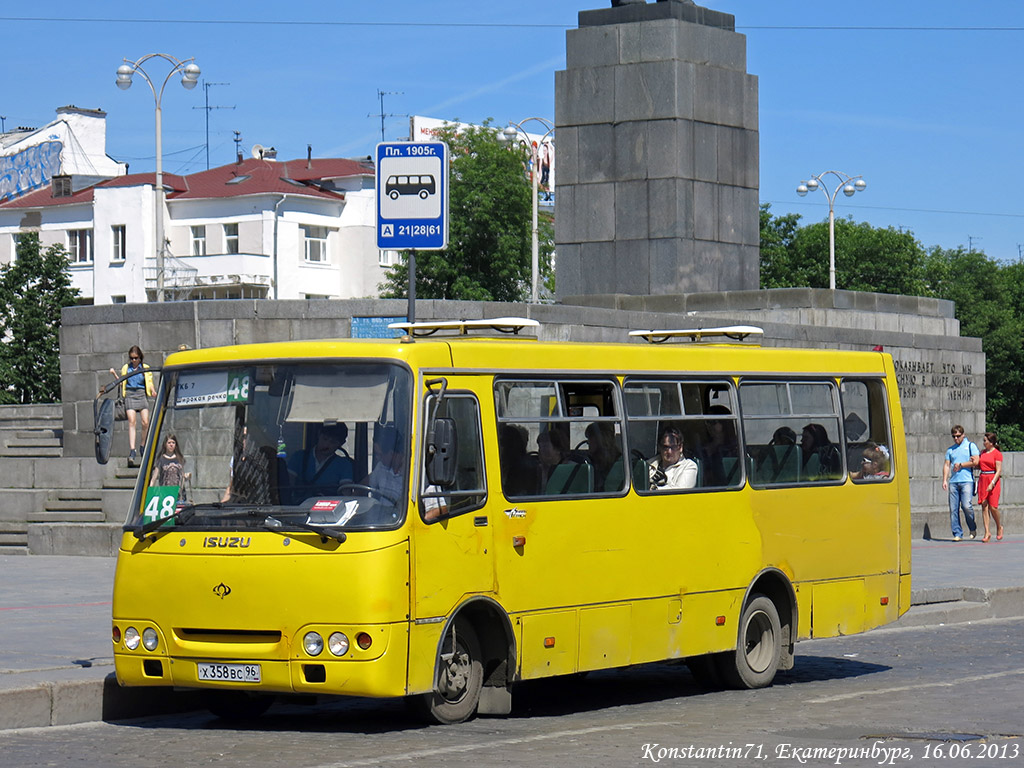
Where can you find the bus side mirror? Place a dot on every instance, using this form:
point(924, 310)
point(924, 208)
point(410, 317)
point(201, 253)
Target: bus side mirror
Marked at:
point(103, 429)
point(442, 452)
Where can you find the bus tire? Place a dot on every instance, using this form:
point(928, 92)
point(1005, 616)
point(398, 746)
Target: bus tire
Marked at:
point(237, 706)
point(460, 676)
point(756, 659)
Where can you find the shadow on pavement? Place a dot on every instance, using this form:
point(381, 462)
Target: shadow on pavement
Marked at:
point(554, 697)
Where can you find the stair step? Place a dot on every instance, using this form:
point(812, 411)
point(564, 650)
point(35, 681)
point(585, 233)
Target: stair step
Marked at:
point(14, 549)
point(74, 505)
point(13, 526)
point(68, 516)
point(78, 494)
point(31, 434)
point(31, 453)
point(119, 484)
point(13, 540)
point(34, 442)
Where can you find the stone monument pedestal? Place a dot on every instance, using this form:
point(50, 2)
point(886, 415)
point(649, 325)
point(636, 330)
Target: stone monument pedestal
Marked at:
point(656, 125)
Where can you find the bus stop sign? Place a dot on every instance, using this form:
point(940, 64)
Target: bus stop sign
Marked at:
point(412, 195)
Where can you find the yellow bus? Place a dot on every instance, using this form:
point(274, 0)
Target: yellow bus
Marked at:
point(441, 516)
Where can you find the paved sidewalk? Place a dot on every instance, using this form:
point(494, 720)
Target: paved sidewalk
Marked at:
point(56, 661)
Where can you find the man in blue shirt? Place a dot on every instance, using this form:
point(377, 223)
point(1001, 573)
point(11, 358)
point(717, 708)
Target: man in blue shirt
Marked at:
point(958, 480)
point(319, 472)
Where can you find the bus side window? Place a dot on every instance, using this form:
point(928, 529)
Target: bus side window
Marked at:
point(866, 426)
point(469, 490)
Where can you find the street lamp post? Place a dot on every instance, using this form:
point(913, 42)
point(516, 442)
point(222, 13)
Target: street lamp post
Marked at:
point(189, 77)
point(850, 186)
point(511, 133)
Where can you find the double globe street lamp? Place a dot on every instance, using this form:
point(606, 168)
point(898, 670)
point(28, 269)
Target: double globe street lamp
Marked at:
point(511, 133)
point(850, 185)
point(189, 77)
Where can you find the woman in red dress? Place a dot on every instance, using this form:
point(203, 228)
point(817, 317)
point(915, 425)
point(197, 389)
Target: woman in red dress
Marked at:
point(991, 464)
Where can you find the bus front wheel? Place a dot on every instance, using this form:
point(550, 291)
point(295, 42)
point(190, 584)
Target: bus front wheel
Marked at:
point(460, 676)
point(756, 659)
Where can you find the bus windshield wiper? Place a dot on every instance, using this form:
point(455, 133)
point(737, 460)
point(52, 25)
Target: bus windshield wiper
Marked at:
point(141, 531)
point(326, 531)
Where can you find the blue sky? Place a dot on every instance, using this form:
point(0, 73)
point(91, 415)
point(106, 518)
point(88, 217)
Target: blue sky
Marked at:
point(920, 98)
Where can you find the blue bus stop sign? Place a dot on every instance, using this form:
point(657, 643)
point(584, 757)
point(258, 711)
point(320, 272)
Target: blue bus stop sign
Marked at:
point(412, 195)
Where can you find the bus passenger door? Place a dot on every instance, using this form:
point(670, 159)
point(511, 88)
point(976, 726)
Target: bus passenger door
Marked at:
point(451, 551)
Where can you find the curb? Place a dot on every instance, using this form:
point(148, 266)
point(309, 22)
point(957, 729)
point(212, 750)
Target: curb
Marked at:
point(955, 605)
point(67, 702)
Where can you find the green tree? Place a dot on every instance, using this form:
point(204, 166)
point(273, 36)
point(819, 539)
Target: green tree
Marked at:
point(488, 257)
point(33, 291)
point(988, 299)
point(777, 234)
point(867, 259)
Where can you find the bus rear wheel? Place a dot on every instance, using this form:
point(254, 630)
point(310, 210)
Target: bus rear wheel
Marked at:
point(460, 676)
point(756, 658)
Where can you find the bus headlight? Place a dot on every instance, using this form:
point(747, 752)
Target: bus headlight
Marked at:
point(313, 643)
point(131, 638)
point(150, 639)
point(337, 643)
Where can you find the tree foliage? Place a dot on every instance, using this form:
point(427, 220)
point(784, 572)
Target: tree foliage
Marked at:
point(988, 295)
point(33, 291)
point(867, 259)
point(488, 257)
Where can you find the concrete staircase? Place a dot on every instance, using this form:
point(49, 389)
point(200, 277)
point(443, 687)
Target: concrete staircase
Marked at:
point(51, 504)
point(83, 521)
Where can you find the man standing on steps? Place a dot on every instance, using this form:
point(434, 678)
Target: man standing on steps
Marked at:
point(958, 480)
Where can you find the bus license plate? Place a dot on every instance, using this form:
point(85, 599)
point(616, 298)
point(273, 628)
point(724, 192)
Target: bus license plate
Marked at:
point(230, 673)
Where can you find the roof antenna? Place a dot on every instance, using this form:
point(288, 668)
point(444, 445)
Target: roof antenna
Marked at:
point(380, 95)
point(238, 147)
point(309, 156)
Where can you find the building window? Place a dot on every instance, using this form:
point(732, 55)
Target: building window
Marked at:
point(118, 300)
point(315, 239)
point(231, 238)
point(199, 240)
point(387, 258)
point(61, 186)
point(80, 246)
point(118, 242)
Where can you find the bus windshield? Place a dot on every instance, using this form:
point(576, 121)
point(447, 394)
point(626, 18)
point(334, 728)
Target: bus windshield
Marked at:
point(281, 445)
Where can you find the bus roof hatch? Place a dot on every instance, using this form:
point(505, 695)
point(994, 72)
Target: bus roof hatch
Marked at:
point(511, 325)
point(732, 332)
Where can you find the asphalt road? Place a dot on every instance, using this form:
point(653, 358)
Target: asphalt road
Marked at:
point(918, 696)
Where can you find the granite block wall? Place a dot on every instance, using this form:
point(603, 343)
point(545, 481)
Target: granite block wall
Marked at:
point(656, 123)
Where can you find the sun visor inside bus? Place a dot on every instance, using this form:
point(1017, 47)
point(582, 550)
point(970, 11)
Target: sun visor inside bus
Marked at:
point(321, 398)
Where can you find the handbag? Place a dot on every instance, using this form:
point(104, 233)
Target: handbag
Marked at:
point(120, 412)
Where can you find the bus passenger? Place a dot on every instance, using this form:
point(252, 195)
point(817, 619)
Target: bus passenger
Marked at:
point(388, 473)
point(874, 465)
point(720, 449)
point(561, 471)
point(821, 459)
point(518, 469)
point(671, 469)
point(605, 455)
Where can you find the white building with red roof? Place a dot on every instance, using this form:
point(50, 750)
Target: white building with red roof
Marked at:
point(256, 228)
